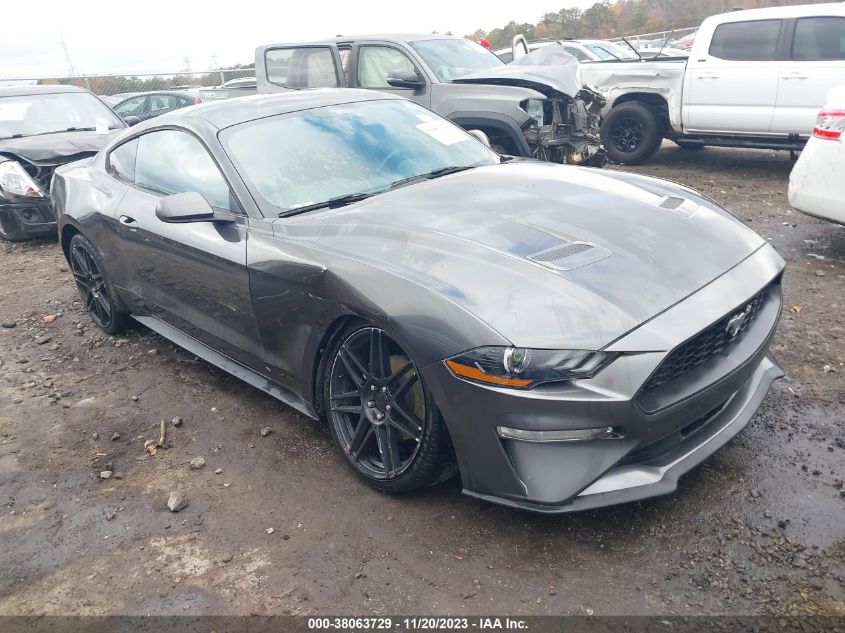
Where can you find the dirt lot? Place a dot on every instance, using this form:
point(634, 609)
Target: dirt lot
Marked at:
point(757, 529)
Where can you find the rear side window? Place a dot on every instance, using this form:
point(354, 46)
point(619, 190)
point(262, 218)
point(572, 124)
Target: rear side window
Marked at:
point(819, 39)
point(122, 160)
point(170, 161)
point(306, 67)
point(752, 41)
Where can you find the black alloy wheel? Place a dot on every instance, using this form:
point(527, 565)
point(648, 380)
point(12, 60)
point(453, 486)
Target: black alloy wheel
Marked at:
point(381, 414)
point(97, 293)
point(631, 133)
point(627, 134)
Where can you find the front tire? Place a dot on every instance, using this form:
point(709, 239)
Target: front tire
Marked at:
point(631, 133)
point(381, 415)
point(98, 295)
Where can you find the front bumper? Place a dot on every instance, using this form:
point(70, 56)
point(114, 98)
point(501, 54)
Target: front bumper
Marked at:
point(26, 218)
point(660, 434)
point(659, 475)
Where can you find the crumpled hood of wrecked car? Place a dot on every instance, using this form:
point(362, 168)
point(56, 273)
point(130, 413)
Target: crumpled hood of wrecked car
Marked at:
point(547, 70)
point(55, 149)
point(473, 237)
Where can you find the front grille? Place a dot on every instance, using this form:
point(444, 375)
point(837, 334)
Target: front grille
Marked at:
point(706, 344)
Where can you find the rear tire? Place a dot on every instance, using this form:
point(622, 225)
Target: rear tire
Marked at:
point(381, 415)
point(98, 295)
point(631, 133)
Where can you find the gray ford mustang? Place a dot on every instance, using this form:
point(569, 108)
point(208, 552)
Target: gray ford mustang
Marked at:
point(565, 338)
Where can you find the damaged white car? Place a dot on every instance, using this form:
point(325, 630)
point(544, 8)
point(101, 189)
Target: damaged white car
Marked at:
point(753, 79)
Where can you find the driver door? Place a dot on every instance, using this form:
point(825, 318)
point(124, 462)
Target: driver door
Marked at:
point(374, 62)
point(192, 275)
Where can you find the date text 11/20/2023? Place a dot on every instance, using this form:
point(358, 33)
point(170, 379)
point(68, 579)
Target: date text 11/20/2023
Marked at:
point(416, 624)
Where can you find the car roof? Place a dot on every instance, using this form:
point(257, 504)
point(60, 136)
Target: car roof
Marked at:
point(388, 37)
point(795, 11)
point(223, 114)
point(175, 93)
point(17, 91)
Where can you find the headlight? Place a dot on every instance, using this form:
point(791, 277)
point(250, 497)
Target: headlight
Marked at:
point(534, 109)
point(524, 368)
point(15, 180)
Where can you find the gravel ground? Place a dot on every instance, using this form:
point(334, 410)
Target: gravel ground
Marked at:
point(276, 524)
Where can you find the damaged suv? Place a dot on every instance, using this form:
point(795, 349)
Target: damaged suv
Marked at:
point(42, 127)
point(535, 108)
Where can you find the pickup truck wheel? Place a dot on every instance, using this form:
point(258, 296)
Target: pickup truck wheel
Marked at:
point(631, 133)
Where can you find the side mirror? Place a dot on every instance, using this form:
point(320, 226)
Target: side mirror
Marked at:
point(132, 120)
point(189, 207)
point(481, 136)
point(405, 79)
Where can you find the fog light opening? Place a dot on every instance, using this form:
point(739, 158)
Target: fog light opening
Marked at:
point(569, 435)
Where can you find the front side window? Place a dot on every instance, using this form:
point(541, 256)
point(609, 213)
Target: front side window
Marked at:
point(130, 107)
point(377, 63)
point(577, 53)
point(751, 41)
point(25, 115)
point(122, 160)
point(819, 39)
point(171, 161)
point(603, 53)
point(309, 157)
point(303, 67)
point(454, 58)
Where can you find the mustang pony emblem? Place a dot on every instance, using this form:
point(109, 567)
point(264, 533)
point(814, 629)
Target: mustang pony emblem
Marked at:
point(737, 321)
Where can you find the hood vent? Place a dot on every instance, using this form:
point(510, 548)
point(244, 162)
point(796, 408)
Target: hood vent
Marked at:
point(671, 203)
point(679, 206)
point(570, 255)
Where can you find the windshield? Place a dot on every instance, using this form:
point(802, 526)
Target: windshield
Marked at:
point(606, 50)
point(310, 157)
point(25, 115)
point(451, 59)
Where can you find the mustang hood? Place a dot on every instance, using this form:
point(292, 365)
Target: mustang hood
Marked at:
point(55, 149)
point(547, 70)
point(550, 256)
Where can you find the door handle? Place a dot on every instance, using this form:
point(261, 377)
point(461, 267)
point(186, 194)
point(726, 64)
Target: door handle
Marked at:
point(795, 76)
point(128, 222)
point(708, 76)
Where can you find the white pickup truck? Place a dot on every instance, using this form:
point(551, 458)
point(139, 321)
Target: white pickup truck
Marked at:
point(754, 78)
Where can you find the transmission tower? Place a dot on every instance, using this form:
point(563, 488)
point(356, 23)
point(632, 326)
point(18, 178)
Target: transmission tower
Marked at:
point(67, 53)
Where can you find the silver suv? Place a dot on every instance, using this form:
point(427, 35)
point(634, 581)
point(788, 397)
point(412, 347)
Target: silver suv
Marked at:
point(525, 109)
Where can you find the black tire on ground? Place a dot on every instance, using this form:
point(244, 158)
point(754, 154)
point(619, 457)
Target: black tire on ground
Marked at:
point(366, 366)
point(98, 295)
point(688, 145)
point(631, 133)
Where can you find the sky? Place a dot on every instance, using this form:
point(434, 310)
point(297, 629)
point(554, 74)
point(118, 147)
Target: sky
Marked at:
point(160, 36)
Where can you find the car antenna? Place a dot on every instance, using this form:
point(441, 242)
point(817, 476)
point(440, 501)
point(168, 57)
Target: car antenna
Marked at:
point(666, 41)
point(625, 39)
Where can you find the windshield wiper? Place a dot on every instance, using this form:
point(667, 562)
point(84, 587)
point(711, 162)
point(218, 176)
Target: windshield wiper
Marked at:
point(331, 203)
point(436, 173)
point(341, 201)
